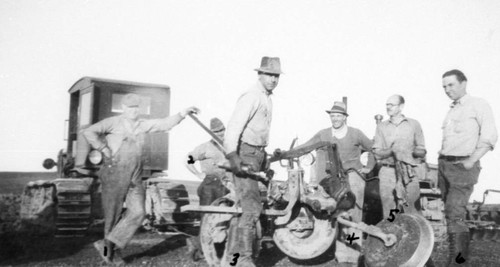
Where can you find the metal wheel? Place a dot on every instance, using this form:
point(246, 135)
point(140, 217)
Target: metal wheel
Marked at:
point(213, 233)
point(415, 241)
point(306, 236)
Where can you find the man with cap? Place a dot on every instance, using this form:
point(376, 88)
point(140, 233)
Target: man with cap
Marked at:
point(246, 137)
point(469, 132)
point(121, 140)
point(351, 143)
point(210, 154)
point(399, 146)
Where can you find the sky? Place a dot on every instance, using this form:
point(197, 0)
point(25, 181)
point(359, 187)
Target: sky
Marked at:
point(206, 52)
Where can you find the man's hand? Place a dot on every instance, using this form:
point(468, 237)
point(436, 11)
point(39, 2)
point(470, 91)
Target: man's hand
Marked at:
point(190, 110)
point(278, 153)
point(468, 163)
point(365, 170)
point(106, 151)
point(201, 175)
point(235, 161)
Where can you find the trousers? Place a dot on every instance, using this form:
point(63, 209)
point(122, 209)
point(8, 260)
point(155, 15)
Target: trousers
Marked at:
point(121, 183)
point(247, 190)
point(387, 176)
point(456, 185)
point(351, 252)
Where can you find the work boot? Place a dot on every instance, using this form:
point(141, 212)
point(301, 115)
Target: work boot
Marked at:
point(459, 243)
point(118, 259)
point(105, 251)
point(246, 238)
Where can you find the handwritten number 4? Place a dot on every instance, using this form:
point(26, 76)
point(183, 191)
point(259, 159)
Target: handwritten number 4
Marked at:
point(391, 215)
point(351, 238)
point(235, 259)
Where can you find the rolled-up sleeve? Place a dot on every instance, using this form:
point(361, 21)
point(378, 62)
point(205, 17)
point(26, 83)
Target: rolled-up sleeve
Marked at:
point(419, 135)
point(246, 107)
point(94, 132)
point(488, 135)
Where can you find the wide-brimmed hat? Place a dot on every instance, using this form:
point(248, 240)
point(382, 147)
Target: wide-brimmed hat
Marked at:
point(270, 65)
point(216, 125)
point(338, 107)
point(131, 100)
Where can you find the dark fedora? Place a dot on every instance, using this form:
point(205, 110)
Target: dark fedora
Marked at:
point(338, 107)
point(270, 65)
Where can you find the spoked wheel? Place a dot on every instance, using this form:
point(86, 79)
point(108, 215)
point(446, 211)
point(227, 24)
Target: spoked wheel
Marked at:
point(306, 236)
point(213, 233)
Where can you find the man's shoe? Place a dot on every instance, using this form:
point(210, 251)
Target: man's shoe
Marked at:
point(103, 250)
point(117, 259)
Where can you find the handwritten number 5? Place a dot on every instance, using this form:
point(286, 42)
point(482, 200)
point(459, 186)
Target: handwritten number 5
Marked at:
point(391, 215)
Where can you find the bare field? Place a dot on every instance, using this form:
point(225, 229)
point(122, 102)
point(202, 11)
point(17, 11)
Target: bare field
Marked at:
point(155, 249)
point(14, 182)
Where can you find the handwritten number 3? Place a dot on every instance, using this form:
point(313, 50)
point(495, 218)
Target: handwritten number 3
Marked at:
point(235, 259)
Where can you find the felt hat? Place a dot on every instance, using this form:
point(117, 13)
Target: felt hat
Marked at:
point(270, 65)
point(338, 107)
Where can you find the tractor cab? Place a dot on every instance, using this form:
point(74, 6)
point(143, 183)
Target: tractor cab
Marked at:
point(95, 99)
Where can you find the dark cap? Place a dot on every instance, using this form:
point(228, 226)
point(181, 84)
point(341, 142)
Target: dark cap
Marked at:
point(216, 125)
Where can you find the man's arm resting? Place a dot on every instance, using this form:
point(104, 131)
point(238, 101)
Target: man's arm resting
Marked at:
point(476, 155)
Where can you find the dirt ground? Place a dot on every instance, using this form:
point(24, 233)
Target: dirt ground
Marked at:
point(153, 249)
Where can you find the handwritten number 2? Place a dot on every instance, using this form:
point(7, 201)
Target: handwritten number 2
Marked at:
point(391, 215)
point(235, 259)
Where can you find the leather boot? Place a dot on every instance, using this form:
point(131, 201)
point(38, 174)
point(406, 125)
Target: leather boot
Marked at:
point(247, 238)
point(459, 243)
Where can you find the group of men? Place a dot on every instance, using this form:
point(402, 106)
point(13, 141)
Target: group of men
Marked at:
point(398, 147)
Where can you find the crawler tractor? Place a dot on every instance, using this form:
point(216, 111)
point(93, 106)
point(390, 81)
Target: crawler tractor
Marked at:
point(70, 204)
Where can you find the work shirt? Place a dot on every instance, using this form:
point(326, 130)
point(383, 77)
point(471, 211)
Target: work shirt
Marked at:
point(210, 156)
point(469, 125)
point(407, 135)
point(251, 119)
point(117, 129)
point(349, 148)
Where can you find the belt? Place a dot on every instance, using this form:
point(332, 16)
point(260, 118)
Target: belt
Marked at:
point(261, 148)
point(388, 165)
point(452, 158)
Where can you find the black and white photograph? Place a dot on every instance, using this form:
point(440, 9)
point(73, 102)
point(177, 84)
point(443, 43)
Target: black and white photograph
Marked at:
point(249, 133)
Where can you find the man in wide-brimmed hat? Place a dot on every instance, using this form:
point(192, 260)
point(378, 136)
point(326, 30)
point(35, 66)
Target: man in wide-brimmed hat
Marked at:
point(351, 143)
point(246, 137)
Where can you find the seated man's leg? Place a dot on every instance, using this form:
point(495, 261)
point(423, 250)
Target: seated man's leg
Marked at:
point(344, 250)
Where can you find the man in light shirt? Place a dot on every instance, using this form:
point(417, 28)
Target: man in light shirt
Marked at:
point(399, 146)
point(469, 132)
point(247, 136)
